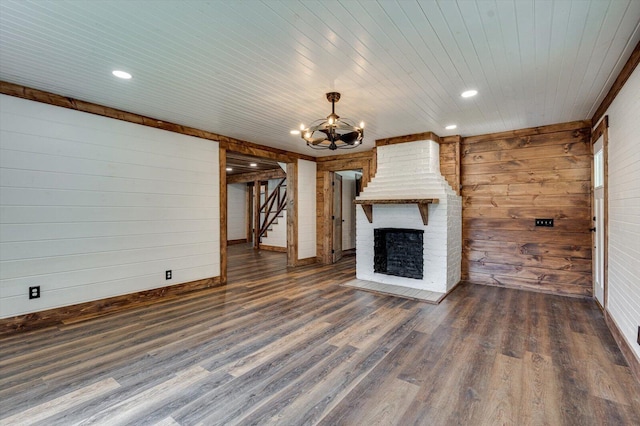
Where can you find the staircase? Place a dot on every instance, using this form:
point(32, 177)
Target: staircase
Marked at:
point(272, 208)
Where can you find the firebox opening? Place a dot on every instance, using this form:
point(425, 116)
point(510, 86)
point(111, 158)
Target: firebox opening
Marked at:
point(398, 252)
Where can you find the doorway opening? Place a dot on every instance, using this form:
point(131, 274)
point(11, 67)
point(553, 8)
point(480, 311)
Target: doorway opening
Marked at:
point(600, 212)
point(256, 204)
point(346, 185)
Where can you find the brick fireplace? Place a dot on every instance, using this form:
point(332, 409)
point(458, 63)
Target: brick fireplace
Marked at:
point(408, 193)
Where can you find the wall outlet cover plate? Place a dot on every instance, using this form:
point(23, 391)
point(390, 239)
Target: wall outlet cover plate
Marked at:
point(34, 292)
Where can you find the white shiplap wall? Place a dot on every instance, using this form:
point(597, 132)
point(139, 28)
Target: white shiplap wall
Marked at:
point(306, 209)
point(277, 235)
point(624, 210)
point(92, 207)
point(236, 211)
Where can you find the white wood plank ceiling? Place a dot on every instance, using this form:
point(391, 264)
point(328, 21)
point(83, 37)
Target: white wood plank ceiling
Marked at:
point(254, 70)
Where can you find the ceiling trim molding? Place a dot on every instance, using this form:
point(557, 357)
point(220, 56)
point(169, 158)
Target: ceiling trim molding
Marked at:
point(622, 78)
point(351, 156)
point(254, 176)
point(408, 138)
point(451, 139)
point(530, 131)
point(226, 142)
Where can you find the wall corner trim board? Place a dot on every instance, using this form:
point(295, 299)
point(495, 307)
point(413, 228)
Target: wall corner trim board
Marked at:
point(85, 311)
point(618, 84)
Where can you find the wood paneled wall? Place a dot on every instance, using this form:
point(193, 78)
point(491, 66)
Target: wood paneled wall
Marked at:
point(510, 179)
point(450, 161)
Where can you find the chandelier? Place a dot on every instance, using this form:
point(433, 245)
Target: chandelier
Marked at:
point(333, 132)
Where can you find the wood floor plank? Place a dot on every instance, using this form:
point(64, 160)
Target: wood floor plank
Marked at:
point(504, 392)
point(47, 409)
point(382, 405)
point(298, 397)
point(279, 345)
point(365, 332)
point(592, 363)
point(267, 352)
point(167, 421)
point(539, 402)
point(127, 409)
point(333, 389)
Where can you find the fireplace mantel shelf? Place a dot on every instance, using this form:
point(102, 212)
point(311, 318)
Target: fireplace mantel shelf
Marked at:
point(423, 206)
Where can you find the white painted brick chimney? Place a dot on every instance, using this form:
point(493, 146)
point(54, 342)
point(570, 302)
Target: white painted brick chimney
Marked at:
point(408, 171)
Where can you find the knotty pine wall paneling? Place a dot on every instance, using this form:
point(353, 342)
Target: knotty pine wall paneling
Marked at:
point(450, 161)
point(92, 207)
point(509, 180)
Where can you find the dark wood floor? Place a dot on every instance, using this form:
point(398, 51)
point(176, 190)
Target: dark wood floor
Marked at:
point(291, 347)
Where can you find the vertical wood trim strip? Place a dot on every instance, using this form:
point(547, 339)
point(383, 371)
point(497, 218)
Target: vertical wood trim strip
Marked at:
point(223, 214)
point(373, 165)
point(326, 214)
point(602, 129)
point(605, 160)
point(458, 167)
point(249, 212)
point(292, 214)
point(319, 217)
point(256, 214)
point(329, 237)
point(592, 206)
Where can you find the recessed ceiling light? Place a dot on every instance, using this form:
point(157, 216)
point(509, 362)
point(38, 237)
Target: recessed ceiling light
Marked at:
point(253, 165)
point(451, 127)
point(295, 132)
point(121, 74)
point(469, 93)
point(229, 169)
